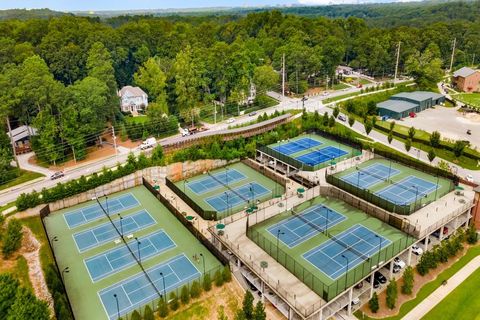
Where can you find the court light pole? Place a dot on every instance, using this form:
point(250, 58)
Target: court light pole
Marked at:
point(106, 203)
point(164, 288)
point(65, 270)
point(379, 249)
point(121, 225)
point(138, 250)
point(203, 258)
point(279, 232)
point(118, 306)
point(346, 273)
point(326, 221)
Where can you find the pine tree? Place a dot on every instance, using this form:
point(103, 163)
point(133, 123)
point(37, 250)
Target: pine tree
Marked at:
point(373, 303)
point(259, 312)
point(162, 308)
point(248, 305)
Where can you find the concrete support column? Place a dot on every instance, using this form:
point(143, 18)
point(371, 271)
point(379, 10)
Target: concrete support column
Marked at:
point(440, 236)
point(320, 314)
point(350, 298)
point(263, 291)
point(425, 246)
point(409, 256)
point(371, 283)
point(391, 270)
point(239, 264)
point(290, 313)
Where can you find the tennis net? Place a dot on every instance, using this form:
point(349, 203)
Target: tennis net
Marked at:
point(308, 222)
point(226, 185)
point(348, 247)
point(383, 178)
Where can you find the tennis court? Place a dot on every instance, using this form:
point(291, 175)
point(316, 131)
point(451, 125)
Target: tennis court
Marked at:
point(234, 197)
point(351, 247)
point(371, 175)
point(215, 181)
point(90, 213)
point(295, 146)
point(115, 260)
point(306, 224)
point(105, 232)
point(407, 190)
point(322, 155)
point(136, 291)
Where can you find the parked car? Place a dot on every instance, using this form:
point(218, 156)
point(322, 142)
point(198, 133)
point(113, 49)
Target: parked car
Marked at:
point(359, 285)
point(185, 132)
point(231, 120)
point(149, 143)
point(341, 117)
point(399, 262)
point(469, 178)
point(380, 277)
point(417, 250)
point(436, 234)
point(355, 301)
point(396, 268)
point(376, 283)
point(251, 114)
point(57, 175)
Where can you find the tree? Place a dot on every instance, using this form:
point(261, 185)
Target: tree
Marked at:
point(331, 122)
point(12, 239)
point(411, 132)
point(27, 306)
point(408, 144)
point(157, 155)
point(151, 77)
point(435, 139)
point(368, 127)
point(265, 78)
point(431, 155)
point(325, 119)
point(185, 295)
point(408, 279)
point(425, 68)
point(373, 303)
point(472, 236)
point(226, 274)
point(259, 312)
point(221, 313)
point(392, 125)
point(392, 294)
point(136, 315)
point(351, 121)
point(218, 278)
point(207, 282)
point(247, 307)
point(174, 303)
point(372, 108)
point(336, 112)
point(8, 290)
point(187, 81)
point(195, 290)
point(148, 313)
point(390, 137)
point(458, 148)
point(162, 308)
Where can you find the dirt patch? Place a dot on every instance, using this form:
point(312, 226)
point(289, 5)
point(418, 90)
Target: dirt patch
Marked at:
point(419, 282)
point(31, 251)
point(472, 116)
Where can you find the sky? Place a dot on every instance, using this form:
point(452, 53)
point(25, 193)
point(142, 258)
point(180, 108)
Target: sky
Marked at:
point(95, 5)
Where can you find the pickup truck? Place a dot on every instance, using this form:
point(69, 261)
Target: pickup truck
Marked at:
point(149, 143)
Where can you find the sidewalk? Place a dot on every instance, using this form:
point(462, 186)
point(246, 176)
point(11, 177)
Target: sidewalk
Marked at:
point(438, 295)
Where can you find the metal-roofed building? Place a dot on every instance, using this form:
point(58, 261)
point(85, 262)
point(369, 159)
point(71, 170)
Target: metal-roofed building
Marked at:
point(402, 104)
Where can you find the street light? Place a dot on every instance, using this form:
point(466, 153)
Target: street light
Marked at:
point(279, 232)
point(138, 250)
point(121, 225)
point(106, 203)
point(379, 248)
point(326, 221)
point(164, 288)
point(346, 273)
point(203, 258)
point(118, 306)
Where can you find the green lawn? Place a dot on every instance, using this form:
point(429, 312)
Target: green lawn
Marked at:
point(428, 288)
point(460, 301)
point(22, 178)
point(340, 86)
point(472, 99)
point(136, 120)
point(343, 96)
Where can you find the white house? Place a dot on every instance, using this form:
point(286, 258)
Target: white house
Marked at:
point(133, 99)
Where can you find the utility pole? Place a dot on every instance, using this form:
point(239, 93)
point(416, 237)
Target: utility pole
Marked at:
point(473, 60)
point(114, 141)
point(453, 54)
point(283, 75)
point(396, 64)
point(215, 113)
point(13, 143)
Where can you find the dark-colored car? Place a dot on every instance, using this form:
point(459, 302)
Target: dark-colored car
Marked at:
point(251, 114)
point(436, 234)
point(380, 277)
point(376, 283)
point(57, 175)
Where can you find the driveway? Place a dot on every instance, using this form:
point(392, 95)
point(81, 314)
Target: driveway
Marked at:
point(448, 121)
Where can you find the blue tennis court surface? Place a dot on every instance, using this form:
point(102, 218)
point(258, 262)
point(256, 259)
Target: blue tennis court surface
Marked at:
point(137, 291)
point(368, 176)
point(357, 244)
point(84, 215)
point(407, 191)
point(295, 230)
point(114, 260)
point(209, 183)
point(320, 156)
point(234, 197)
point(297, 146)
point(105, 232)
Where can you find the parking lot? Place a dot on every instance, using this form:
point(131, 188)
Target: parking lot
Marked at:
point(448, 121)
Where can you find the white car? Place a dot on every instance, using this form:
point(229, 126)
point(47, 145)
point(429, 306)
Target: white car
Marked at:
point(231, 120)
point(469, 178)
point(417, 250)
point(399, 262)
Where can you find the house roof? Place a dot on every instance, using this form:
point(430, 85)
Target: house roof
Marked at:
point(396, 105)
point(418, 96)
point(131, 91)
point(22, 132)
point(464, 72)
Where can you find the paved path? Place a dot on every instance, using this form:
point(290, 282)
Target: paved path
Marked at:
point(438, 295)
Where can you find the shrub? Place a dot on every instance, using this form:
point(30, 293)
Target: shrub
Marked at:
point(373, 303)
point(336, 111)
point(218, 278)
point(247, 306)
point(435, 139)
point(392, 294)
point(174, 303)
point(162, 308)
point(185, 295)
point(226, 274)
point(431, 155)
point(12, 239)
point(148, 313)
point(351, 121)
point(408, 279)
point(472, 235)
point(195, 290)
point(408, 145)
point(136, 315)
point(411, 132)
point(207, 282)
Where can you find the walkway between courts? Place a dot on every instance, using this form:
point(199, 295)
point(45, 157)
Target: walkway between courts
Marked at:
point(438, 295)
